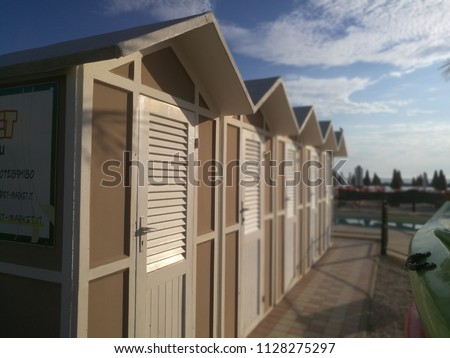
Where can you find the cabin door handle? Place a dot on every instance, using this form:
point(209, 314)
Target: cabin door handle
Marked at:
point(142, 230)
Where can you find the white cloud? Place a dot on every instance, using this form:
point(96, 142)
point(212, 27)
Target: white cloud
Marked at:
point(413, 112)
point(382, 148)
point(161, 9)
point(333, 95)
point(406, 34)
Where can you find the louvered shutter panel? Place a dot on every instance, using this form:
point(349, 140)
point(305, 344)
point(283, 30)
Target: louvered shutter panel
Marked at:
point(289, 178)
point(167, 192)
point(252, 195)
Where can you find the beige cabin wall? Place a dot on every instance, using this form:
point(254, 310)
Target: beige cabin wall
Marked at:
point(109, 214)
point(231, 284)
point(108, 306)
point(206, 206)
point(162, 70)
point(109, 205)
point(205, 290)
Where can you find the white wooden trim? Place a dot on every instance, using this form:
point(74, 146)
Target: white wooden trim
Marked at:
point(85, 185)
point(108, 269)
point(71, 209)
point(166, 98)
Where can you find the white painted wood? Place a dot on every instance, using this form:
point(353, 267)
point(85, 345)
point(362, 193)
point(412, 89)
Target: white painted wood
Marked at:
point(289, 217)
point(164, 203)
point(72, 155)
point(314, 222)
point(85, 189)
point(250, 287)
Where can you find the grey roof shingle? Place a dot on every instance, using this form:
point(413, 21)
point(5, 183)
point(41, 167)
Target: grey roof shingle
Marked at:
point(301, 113)
point(258, 88)
point(324, 125)
point(338, 135)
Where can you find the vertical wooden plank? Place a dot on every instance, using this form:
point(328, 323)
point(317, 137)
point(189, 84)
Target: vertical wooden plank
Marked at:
point(280, 257)
point(169, 308)
point(175, 308)
point(162, 311)
point(268, 265)
point(280, 178)
point(154, 309)
point(148, 302)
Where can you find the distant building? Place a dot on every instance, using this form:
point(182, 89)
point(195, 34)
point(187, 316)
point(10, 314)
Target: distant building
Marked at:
point(358, 176)
point(425, 179)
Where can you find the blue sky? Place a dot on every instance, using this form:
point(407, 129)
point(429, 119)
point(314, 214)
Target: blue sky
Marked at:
point(371, 66)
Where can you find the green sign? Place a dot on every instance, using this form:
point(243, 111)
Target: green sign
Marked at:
point(27, 163)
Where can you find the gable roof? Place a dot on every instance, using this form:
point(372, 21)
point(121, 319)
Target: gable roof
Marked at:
point(195, 35)
point(338, 135)
point(341, 146)
point(269, 96)
point(324, 127)
point(310, 132)
point(329, 138)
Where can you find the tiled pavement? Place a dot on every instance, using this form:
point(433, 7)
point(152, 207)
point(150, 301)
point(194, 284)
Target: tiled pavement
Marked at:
point(332, 298)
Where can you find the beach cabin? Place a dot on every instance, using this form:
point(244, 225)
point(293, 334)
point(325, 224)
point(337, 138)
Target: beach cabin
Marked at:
point(89, 247)
point(136, 194)
point(269, 225)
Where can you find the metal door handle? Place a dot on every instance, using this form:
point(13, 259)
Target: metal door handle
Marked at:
point(142, 230)
point(242, 212)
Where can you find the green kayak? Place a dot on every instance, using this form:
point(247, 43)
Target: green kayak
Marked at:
point(429, 262)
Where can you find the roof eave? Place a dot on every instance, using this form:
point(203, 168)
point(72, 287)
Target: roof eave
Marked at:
point(277, 110)
point(310, 133)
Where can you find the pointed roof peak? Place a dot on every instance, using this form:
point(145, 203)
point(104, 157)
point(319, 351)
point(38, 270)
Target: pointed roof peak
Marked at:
point(258, 88)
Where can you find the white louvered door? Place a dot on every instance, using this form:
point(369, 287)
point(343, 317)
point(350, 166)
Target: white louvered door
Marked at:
point(251, 255)
point(314, 220)
point(164, 225)
point(289, 233)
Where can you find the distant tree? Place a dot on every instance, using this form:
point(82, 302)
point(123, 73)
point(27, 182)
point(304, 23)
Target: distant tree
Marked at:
point(366, 180)
point(419, 180)
point(434, 181)
point(396, 182)
point(442, 181)
point(376, 179)
point(414, 182)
